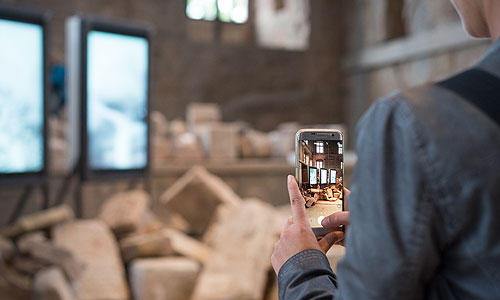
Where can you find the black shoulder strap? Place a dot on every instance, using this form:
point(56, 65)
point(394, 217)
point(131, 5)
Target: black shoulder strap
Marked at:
point(480, 88)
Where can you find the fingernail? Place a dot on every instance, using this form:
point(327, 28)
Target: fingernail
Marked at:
point(325, 222)
point(290, 178)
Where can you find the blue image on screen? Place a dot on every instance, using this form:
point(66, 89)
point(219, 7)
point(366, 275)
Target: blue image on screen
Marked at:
point(117, 89)
point(313, 176)
point(21, 97)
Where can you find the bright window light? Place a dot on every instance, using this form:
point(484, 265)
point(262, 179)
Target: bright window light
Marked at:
point(319, 164)
point(320, 147)
point(235, 11)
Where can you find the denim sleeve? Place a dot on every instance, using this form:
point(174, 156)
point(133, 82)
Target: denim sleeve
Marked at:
point(391, 248)
point(307, 275)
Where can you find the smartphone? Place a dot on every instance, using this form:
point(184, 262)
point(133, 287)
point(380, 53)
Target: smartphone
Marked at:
point(319, 159)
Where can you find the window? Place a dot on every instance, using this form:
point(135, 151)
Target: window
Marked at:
point(319, 164)
point(235, 11)
point(306, 159)
point(320, 147)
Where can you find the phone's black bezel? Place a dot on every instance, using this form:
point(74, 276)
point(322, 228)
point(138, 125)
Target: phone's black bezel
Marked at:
point(40, 18)
point(93, 23)
point(322, 135)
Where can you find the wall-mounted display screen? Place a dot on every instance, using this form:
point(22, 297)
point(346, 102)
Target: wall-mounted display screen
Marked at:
point(21, 97)
point(333, 176)
point(117, 95)
point(323, 175)
point(313, 176)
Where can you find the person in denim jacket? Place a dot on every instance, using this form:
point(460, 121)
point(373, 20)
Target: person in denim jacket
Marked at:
point(424, 206)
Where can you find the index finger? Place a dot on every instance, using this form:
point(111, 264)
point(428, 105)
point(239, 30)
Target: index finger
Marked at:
point(296, 201)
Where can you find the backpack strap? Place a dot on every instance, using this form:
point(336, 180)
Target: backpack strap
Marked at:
point(478, 87)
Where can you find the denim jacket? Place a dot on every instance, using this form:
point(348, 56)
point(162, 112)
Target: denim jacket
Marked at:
point(424, 204)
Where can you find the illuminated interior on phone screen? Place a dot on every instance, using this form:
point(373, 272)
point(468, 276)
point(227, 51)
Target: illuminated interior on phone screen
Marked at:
point(320, 178)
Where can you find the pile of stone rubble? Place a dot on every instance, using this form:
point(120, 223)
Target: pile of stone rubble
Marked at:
point(200, 136)
point(200, 241)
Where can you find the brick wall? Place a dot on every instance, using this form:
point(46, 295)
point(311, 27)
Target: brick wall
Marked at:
point(208, 62)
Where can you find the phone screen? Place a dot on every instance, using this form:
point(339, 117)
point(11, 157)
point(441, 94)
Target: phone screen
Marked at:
point(320, 171)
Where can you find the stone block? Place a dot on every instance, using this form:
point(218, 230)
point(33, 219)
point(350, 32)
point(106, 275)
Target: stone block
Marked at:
point(219, 141)
point(176, 128)
point(255, 144)
point(198, 114)
point(24, 241)
point(171, 278)
point(93, 242)
point(176, 221)
point(164, 242)
point(195, 197)
point(40, 220)
point(242, 244)
point(187, 246)
point(283, 139)
point(40, 249)
point(27, 264)
point(221, 212)
point(187, 148)
point(124, 212)
point(150, 223)
point(152, 244)
point(50, 284)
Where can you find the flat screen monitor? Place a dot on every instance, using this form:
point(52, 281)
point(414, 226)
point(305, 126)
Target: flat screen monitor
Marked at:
point(333, 176)
point(323, 175)
point(313, 176)
point(114, 97)
point(117, 91)
point(22, 94)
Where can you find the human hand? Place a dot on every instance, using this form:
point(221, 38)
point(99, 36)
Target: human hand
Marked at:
point(333, 221)
point(297, 235)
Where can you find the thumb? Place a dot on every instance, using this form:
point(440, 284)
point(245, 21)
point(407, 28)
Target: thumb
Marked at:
point(336, 219)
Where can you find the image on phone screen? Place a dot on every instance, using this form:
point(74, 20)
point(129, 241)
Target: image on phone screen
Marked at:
point(320, 170)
